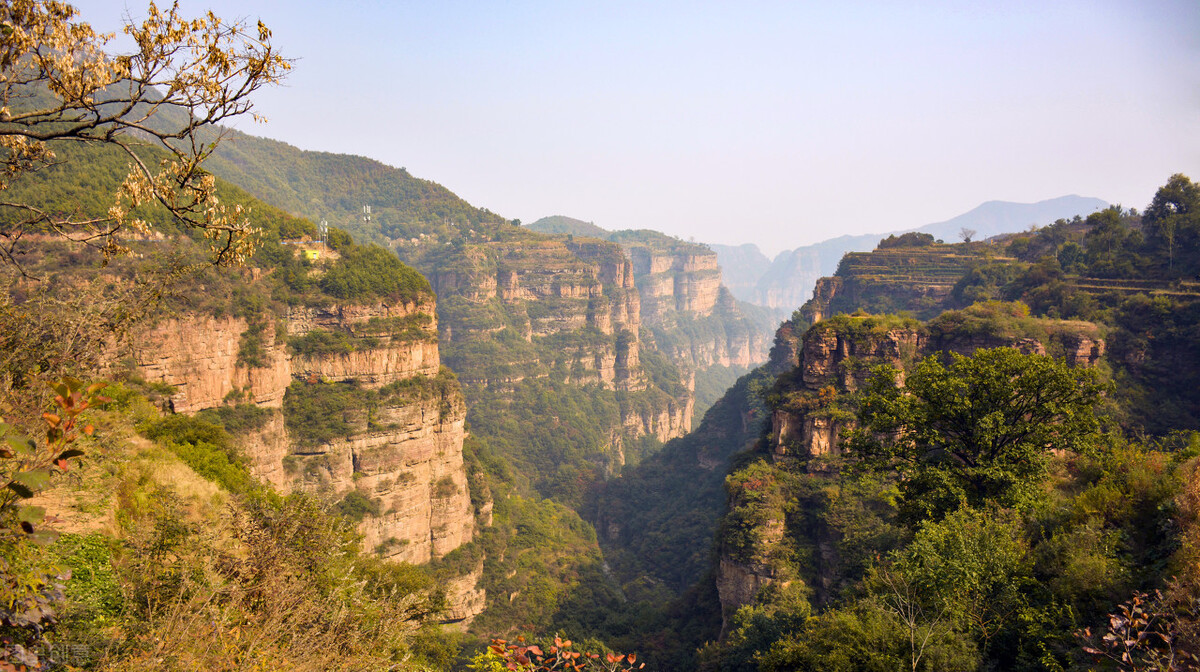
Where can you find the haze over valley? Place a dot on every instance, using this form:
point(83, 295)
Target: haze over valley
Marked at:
point(696, 338)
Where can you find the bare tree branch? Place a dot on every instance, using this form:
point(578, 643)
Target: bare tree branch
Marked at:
point(58, 83)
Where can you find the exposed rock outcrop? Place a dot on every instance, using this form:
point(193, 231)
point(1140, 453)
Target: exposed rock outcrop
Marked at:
point(695, 320)
point(412, 470)
point(400, 459)
point(545, 289)
point(551, 307)
point(386, 342)
point(464, 598)
point(683, 280)
point(737, 584)
point(198, 356)
point(836, 357)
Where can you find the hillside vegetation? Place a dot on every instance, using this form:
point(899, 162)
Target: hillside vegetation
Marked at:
point(977, 456)
point(335, 187)
point(1134, 272)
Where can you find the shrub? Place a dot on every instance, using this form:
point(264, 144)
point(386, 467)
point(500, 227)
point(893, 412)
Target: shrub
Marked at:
point(355, 506)
point(316, 413)
point(237, 419)
point(322, 342)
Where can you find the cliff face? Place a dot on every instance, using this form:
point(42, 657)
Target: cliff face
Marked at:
point(201, 356)
point(734, 335)
point(837, 358)
point(523, 311)
point(408, 463)
point(400, 458)
point(833, 361)
point(198, 356)
point(695, 320)
point(810, 414)
point(540, 290)
point(685, 280)
point(388, 343)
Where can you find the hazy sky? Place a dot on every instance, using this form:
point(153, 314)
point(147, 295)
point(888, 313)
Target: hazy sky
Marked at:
point(778, 123)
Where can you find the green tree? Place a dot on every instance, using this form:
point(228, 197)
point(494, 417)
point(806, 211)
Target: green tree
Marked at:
point(978, 431)
point(972, 566)
point(1172, 221)
point(1109, 243)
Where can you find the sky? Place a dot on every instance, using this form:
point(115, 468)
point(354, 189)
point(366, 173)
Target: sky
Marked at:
point(777, 123)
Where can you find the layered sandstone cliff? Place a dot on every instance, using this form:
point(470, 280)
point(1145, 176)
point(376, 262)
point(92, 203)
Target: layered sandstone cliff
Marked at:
point(541, 291)
point(398, 453)
point(695, 320)
point(685, 280)
point(520, 309)
point(197, 355)
point(836, 358)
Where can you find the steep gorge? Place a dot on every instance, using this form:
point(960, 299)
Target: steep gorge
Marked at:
point(520, 313)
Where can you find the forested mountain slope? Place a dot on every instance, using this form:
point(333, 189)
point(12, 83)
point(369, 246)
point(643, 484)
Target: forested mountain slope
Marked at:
point(316, 369)
point(335, 187)
point(521, 314)
point(828, 560)
point(545, 333)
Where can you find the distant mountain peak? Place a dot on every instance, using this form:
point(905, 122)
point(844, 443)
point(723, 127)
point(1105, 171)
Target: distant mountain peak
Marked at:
point(992, 218)
point(788, 280)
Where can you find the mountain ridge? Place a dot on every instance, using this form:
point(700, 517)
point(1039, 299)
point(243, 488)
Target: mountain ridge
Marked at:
point(789, 280)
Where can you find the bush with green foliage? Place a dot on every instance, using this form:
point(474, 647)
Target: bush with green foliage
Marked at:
point(978, 432)
point(205, 447)
point(355, 506)
point(910, 239)
point(317, 342)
